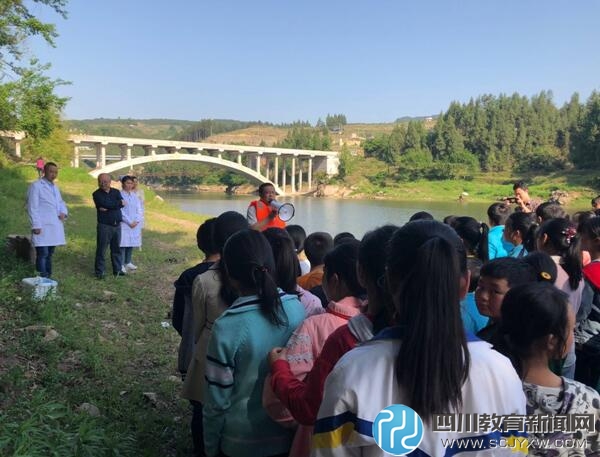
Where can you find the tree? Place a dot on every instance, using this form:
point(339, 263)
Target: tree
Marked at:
point(27, 98)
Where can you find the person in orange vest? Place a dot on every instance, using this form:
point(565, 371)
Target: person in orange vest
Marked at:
point(261, 215)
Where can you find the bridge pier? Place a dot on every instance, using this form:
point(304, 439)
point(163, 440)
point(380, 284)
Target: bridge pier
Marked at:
point(283, 174)
point(101, 154)
point(276, 170)
point(294, 174)
point(299, 175)
point(310, 164)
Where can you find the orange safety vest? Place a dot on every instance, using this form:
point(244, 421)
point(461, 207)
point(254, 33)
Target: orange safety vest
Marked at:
point(262, 212)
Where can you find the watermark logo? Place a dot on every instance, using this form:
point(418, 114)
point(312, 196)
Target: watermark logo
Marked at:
point(398, 429)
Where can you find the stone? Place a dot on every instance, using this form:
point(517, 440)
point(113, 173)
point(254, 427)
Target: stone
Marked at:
point(90, 409)
point(51, 335)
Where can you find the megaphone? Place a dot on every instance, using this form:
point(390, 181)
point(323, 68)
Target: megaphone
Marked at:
point(285, 211)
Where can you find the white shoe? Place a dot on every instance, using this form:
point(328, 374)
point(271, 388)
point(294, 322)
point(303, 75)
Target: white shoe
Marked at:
point(123, 270)
point(130, 266)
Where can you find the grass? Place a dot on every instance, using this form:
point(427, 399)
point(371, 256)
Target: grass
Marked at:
point(111, 348)
point(369, 179)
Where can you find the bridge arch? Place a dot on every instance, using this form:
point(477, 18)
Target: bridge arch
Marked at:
point(185, 157)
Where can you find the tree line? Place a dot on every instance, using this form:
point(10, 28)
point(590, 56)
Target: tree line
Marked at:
point(495, 133)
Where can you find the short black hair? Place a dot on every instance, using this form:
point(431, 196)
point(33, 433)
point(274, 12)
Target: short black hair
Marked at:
point(262, 187)
point(421, 216)
point(298, 234)
point(596, 201)
point(48, 165)
point(205, 237)
point(498, 213)
point(316, 246)
point(520, 185)
point(550, 210)
point(343, 237)
point(515, 271)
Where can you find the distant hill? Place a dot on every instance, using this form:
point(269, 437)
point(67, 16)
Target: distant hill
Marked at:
point(228, 131)
point(162, 129)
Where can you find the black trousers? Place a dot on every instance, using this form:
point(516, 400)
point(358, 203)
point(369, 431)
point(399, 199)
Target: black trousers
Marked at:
point(108, 236)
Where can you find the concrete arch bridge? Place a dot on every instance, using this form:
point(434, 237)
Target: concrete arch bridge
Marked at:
point(262, 164)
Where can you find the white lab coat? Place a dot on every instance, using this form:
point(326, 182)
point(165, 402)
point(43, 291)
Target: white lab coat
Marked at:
point(44, 205)
point(133, 211)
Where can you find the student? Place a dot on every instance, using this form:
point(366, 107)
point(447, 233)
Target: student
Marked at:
point(596, 203)
point(287, 268)
point(587, 331)
point(497, 277)
point(544, 267)
point(421, 216)
point(208, 303)
point(497, 245)
point(342, 237)
point(316, 246)
point(475, 237)
point(423, 362)
point(303, 396)
point(298, 234)
point(182, 311)
point(558, 238)
point(519, 231)
point(261, 318)
point(550, 210)
point(538, 323)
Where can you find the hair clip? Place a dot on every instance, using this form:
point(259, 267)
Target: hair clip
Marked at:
point(545, 275)
point(569, 233)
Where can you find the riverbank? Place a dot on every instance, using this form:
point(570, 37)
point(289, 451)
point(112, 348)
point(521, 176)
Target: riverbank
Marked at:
point(92, 371)
point(370, 181)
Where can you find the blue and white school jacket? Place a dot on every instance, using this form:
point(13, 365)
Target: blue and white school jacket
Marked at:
point(363, 383)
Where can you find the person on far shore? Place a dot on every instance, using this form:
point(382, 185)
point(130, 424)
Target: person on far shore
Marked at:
point(524, 202)
point(131, 224)
point(47, 212)
point(260, 214)
point(109, 202)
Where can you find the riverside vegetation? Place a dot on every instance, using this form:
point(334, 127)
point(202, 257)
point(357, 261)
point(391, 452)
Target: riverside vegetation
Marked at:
point(98, 343)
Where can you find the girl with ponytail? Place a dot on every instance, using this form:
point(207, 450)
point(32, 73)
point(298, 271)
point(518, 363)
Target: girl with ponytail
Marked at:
point(559, 239)
point(262, 317)
point(537, 324)
point(423, 361)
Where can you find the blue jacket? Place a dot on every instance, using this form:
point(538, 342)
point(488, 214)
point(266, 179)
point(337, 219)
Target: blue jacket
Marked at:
point(236, 367)
point(498, 246)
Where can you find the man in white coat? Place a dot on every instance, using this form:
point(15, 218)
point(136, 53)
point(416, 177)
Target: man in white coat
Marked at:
point(47, 212)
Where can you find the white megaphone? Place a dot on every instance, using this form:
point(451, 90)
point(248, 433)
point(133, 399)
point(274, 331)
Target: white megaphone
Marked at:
point(285, 211)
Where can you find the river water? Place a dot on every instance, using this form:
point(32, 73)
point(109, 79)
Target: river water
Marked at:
point(329, 214)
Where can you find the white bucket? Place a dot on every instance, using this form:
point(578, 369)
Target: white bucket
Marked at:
point(39, 287)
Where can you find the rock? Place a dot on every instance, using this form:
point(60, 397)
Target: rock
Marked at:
point(109, 294)
point(159, 198)
point(175, 379)
point(51, 335)
point(151, 398)
point(89, 408)
point(78, 305)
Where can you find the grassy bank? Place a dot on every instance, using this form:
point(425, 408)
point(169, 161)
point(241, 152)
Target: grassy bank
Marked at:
point(110, 348)
point(369, 178)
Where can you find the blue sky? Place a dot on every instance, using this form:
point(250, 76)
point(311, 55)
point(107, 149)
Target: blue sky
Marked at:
point(282, 61)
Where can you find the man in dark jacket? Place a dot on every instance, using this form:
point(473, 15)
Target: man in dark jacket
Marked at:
point(108, 203)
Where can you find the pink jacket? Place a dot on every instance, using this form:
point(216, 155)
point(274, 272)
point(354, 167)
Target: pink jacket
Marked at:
point(303, 347)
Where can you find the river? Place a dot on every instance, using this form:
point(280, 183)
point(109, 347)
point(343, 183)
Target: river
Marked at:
point(329, 214)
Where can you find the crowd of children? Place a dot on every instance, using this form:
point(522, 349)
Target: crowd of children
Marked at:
point(293, 344)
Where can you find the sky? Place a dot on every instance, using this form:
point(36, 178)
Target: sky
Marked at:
point(281, 61)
